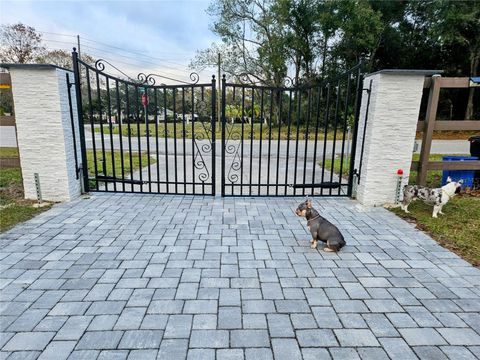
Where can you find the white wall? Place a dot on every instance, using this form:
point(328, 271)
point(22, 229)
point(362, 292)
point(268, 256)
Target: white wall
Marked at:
point(390, 133)
point(44, 131)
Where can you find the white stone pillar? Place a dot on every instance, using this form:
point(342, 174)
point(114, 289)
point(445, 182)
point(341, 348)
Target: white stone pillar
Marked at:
point(44, 130)
point(390, 132)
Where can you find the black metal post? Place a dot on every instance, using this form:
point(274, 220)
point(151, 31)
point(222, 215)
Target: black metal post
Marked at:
point(358, 102)
point(78, 96)
point(69, 85)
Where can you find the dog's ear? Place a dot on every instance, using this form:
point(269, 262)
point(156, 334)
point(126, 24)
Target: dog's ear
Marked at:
point(460, 181)
point(308, 202)
point(449, 179)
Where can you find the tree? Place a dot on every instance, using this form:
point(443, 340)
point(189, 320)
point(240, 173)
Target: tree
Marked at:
point(457, 23)
point(62, 58)
point(20, 44)
point(252, 37)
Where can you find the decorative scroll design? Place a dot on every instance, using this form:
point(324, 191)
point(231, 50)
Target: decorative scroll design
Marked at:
point(203, 149)
point(244, 78)
point(100, 66)
point(144, 79)
point(150, 79)
point(235, 166)
point(288, 81)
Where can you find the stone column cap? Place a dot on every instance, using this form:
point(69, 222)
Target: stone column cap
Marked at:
point(407, 72)
point(32, 66)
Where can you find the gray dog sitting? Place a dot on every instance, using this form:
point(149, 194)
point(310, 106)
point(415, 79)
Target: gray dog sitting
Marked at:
point(320, 228)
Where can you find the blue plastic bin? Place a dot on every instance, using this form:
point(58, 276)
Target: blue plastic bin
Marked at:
point(456, 175)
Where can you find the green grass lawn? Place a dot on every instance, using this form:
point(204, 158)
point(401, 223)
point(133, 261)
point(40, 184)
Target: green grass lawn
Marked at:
point(457, 230)
point(434, 177)
point(117, 160)
point(13, 208)
point(204, 132)
point(336, 166)
point(8, 152)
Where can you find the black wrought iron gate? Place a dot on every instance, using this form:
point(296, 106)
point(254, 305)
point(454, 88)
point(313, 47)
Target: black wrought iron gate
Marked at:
point(142, 137)
point(291, 140)
point(139, 136)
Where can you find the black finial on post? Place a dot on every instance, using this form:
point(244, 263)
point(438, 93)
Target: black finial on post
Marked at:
point(74, 49)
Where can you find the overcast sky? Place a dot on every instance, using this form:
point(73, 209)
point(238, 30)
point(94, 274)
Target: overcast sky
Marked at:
point(137, 36)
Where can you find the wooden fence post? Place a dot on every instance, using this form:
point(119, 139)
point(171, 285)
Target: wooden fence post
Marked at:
point(429, 126)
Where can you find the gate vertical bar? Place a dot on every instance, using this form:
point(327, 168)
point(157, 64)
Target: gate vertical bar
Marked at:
point(213, 122)
point(280, 105)
point(139, 147)
point(92, 127)
point(129, 128)
point(167, 178)
point(147, 135)
point(110, 130)
point(299, 109)
point(120, 132)
point(262, 115)
point(252, 119)
point(269, 140)
point(193, 140)
point(289, 126)
point(223, 133)
point(307, 128)
point(184, 135)
point(358, 102)
point(325, 133)
point(102, 134)
point(317, 122)
point(335, 117)
point(156, 138)
point(242, 138)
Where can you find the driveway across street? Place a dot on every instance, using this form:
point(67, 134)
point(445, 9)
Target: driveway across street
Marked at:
point(120, 276)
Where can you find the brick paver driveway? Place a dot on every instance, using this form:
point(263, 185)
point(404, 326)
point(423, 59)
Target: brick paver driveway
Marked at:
point(168, 277)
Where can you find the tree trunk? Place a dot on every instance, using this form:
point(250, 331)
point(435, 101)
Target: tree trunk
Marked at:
point(324, 55)
point(471, 93)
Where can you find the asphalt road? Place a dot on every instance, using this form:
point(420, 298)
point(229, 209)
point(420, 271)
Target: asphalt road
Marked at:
point(8, 139)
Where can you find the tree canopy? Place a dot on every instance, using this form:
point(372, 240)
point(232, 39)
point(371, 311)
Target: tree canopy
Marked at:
point(267, 40)
point(22, 44)
point(309, 38)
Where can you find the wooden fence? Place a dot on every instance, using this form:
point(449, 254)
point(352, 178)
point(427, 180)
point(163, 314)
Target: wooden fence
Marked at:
point(7, 161)
point(431, 124)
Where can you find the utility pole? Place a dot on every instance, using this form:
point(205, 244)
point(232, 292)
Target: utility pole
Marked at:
point(219, 93)
point(78, 45)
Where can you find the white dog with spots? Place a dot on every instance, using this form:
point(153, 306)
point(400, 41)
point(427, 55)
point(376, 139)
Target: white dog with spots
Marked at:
point(437, 197)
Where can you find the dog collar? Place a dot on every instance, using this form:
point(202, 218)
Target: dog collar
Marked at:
point(316, 217)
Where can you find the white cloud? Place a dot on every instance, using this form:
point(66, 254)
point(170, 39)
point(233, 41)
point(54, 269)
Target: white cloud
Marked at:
point(144, 36)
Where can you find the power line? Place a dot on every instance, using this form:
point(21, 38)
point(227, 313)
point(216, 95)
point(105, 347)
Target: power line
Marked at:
point(136, 52)
point(124, 56)
point(164, 74)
